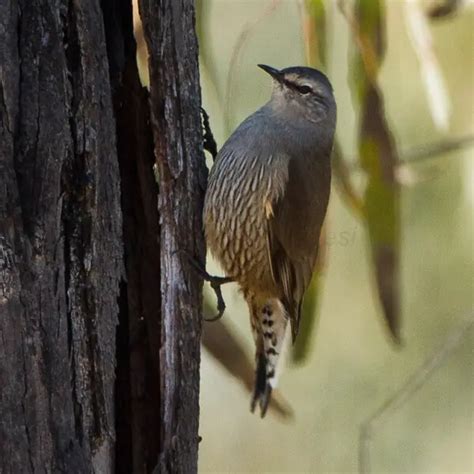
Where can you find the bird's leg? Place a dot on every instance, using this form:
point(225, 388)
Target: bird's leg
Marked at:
point(215, 281)
point(209, 143)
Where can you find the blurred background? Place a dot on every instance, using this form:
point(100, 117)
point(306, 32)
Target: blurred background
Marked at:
point(393, 298)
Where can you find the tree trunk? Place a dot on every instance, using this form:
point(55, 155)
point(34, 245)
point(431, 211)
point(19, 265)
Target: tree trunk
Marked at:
point(65, 68)
point(60, 247)
point(175, 100)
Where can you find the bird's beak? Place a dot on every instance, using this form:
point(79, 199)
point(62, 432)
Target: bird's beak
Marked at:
point(275, 73)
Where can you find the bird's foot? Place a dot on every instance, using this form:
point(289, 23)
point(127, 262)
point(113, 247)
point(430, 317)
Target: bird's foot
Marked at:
point(209, 143)
point(215, 281)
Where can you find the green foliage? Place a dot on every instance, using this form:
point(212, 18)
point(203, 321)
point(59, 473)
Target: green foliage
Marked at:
point(378, 158)
point(354, 371)
point(308, 324)
point(314, 26)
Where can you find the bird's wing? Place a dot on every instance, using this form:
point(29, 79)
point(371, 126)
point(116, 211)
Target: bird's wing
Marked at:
point(294, 220)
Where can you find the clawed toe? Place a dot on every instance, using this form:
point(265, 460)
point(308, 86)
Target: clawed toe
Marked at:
point(215, 281)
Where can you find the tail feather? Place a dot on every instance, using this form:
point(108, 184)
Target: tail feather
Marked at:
point(269, 322)
point(263, 390)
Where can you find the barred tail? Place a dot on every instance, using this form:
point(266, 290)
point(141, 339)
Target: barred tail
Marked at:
point(269, 323)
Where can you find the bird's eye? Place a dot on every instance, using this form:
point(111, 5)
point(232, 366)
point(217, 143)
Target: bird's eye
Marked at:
point(304, 89)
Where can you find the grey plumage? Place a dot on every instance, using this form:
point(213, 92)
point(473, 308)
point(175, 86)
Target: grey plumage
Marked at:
point(265, 204)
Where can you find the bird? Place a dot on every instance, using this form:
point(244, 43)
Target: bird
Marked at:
point(266, 200)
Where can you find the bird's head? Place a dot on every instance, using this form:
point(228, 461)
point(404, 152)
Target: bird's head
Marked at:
point(302, 91)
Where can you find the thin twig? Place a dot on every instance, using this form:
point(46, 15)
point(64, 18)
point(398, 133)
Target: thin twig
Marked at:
point(425, 153)
point(408, 389)
point(234, 60)
point(431, 151)
point(446, 8)
point(367, 52)
point(431, 73)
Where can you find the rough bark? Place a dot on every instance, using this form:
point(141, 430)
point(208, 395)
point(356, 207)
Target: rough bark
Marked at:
point(175, 112)
point(62, 242)
point(60, 239)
